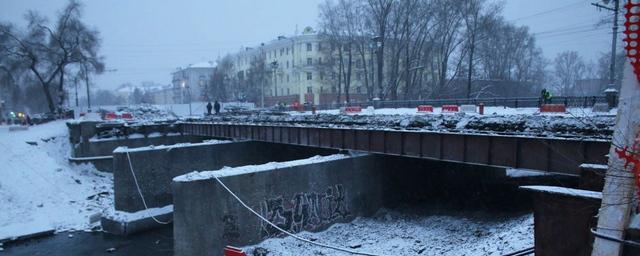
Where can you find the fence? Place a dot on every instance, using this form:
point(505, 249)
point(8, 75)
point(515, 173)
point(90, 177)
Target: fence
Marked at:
point(523, 102)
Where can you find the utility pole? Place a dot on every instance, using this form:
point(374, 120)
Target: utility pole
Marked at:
point(616, 11)
point(618, 193)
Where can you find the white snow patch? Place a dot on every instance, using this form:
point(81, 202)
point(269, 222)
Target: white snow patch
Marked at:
point(124, 149)
point(595, 166)
point(394, 233)
point(40, 189)
point(134, 136)
point(133, 216)
point(515, 173)
point(232, 171)
point(565, 191)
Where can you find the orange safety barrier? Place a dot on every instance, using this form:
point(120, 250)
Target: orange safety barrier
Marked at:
point(110, 116)
point(450, 108)
point(425, 108)
point(353, 109)
point(553, 108)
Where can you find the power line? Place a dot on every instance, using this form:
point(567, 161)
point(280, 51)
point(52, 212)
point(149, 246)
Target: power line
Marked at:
point(550, 11)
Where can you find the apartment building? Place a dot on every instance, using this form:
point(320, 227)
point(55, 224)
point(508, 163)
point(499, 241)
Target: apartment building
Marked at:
point(191, 83)
point(297, 70)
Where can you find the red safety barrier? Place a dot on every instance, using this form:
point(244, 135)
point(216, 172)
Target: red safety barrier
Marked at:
point(425, 108)
point(481, 108)
point(450, 108)
point(126, 116)
point(353, 109)
point(233, 251)
point(553, 108)
point(110, 116)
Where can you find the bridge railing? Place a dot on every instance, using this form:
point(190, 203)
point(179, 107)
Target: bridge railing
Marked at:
point(520, 102)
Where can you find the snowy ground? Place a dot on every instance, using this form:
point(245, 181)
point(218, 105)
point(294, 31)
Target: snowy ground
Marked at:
point(395, 233)
point(40, 190)
point(577, 123)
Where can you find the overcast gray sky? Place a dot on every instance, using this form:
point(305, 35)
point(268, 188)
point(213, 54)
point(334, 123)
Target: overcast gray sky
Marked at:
point(147, 39)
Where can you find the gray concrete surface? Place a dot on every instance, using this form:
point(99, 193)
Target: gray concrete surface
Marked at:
point(307, 197)
point(106, 147)
point(126, 228)
point(155, 168)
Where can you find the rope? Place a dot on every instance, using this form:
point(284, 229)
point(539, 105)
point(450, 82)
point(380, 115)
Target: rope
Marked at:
point(522, 252)
point(615, 239)
point(140, 193)
point(286, 232)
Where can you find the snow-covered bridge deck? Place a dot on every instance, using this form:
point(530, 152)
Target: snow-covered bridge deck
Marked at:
point(562, 155)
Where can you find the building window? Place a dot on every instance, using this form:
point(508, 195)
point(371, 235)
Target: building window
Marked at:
point(287, 50)
point(281, 51)
point(290, 93)
point(333, 75)
point(358, 89)
point(281, 91)
point(309, 76)
point(287, 64)
point(309, 47)
point(309, 61)
point(321, 76)
point(319, 60)
point(287, 78)
point(319, 46)
point(358, 76)
point(309, 89)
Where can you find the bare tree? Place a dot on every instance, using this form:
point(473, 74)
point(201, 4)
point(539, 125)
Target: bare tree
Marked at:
point(569, 68)
point(47, 51)
point(380, 11)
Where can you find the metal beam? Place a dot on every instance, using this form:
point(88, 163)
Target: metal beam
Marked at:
point(537, 153)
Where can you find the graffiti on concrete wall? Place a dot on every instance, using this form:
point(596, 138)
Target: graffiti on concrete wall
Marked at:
point(231, 232)
point(304, 211)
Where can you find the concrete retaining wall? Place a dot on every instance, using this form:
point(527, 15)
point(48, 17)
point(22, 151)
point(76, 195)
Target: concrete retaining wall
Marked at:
point(155, 168)
point(307, 197)
point(106, 147)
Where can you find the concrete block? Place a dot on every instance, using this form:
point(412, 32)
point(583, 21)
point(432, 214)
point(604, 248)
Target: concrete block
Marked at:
point(155, 168)
point(129, 227)
point(468, 108)
point(600, 107)
point(306, 197)
point(592, 176)
point(563, 218)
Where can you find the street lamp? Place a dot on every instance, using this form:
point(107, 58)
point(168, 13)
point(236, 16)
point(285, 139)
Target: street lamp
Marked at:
point(184, 85)
point(274, 67)
point(379, 48)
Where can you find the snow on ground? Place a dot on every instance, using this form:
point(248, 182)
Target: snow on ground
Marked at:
point(395, 233)
point(39, 189)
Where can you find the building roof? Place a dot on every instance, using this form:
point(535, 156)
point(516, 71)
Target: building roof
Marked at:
point(205, 64)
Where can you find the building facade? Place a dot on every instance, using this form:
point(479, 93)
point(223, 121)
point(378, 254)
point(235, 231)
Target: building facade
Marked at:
point(191, 83)
point(298, 70)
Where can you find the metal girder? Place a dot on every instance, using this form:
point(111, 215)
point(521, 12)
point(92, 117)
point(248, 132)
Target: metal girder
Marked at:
point(546, 154)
